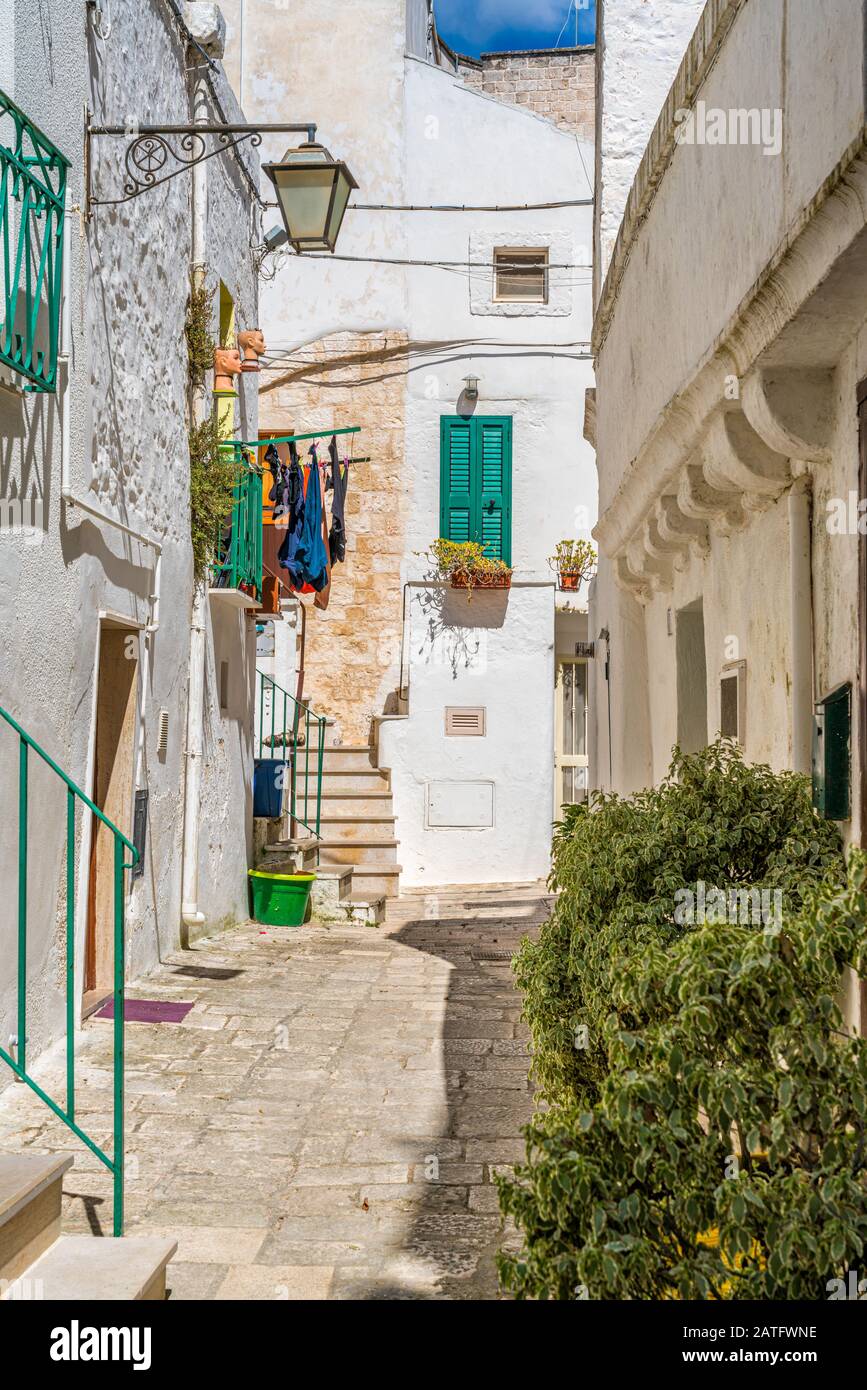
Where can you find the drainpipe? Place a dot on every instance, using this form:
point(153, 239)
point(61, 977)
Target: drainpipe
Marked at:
point(190, 914)
point(801, 611)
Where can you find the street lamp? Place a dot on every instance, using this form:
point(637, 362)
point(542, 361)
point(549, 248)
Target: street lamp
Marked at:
point(312, 193)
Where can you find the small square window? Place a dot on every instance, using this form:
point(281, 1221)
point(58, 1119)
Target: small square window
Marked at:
point(732, 701)
point(521, 275)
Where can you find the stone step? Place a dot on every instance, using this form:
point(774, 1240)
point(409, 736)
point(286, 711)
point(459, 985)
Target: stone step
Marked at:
point(332, 886)
point(334, 851)
point(30, 1203)
point(357, 829)
point(354, 779)
point(371, 881)
point(343, 757)
point(375, 804)
point(88, 1269)
point(289, 856)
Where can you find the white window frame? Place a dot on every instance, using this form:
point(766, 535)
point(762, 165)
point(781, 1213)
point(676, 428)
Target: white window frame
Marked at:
point(515, 254)
point(560, 245)
point(736, 670)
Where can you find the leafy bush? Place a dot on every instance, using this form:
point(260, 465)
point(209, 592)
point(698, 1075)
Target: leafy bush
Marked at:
point(617, 870)
point(706, 1136)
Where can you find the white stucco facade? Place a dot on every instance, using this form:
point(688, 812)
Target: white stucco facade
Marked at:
point(637, 55)
point(415, 136)
point(740, 363)
point(72, 580)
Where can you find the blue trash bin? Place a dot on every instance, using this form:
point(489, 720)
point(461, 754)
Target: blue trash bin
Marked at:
point(269, 778)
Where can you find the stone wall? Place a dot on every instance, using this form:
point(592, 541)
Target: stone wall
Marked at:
point(558, 85)
point(352, 653)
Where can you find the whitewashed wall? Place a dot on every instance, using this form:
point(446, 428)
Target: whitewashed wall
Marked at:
point(735, 265)
point(638, 52)
point(498, 652)
point(129, 456)
point(530, 367)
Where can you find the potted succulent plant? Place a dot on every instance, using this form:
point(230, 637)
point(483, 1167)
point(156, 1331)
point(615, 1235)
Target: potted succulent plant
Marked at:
point(466, 565)
point(573, 562)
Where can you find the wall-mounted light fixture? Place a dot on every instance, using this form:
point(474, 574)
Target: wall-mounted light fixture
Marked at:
point(471, 386)
point(312, 193)
point(312, 188)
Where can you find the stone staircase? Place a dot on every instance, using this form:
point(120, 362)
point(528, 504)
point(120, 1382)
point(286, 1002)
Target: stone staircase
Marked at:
point(355, 858)
point(357, 822)
point(38, 1262)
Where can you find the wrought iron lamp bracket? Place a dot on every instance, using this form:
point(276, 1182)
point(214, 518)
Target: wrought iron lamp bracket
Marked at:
point(155, 154)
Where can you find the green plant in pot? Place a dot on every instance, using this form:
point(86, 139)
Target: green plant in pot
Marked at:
point(573, 562)
point(467, 565)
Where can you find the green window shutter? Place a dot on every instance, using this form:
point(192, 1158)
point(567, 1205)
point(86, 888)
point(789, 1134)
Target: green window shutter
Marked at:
point(494, 447)
point(476, 482)
point(456, 497)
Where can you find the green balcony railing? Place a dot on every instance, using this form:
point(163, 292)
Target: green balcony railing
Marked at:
point(290, 731)
point(32, 205)
point(238, 553)
point(26, 876)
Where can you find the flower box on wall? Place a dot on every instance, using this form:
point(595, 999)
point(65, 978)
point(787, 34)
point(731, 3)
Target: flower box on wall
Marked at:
point(464, 580)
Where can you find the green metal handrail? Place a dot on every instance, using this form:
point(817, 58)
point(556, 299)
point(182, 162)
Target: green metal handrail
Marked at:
point(32, 208)
point(284, 742)
point(238, 552)
point(115, 1164)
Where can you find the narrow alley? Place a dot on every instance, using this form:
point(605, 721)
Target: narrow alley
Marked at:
point(327, 1120)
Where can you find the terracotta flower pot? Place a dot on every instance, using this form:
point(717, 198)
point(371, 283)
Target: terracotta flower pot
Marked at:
point(570, 581)
point(252, 344)
point(227, 365)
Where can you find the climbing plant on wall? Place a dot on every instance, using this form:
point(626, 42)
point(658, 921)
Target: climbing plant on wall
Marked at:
point(213, 470)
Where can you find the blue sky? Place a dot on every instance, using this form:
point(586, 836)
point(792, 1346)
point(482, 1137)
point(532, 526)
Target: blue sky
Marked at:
point(483, 26)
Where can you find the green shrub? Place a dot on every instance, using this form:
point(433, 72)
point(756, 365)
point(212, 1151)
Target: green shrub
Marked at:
point(617, 870)
point(706, 1138)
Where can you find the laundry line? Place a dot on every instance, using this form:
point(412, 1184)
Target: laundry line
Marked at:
point(295, 438)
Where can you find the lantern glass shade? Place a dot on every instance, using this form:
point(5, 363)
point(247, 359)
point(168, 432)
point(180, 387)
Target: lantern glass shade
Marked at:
point(312, 190)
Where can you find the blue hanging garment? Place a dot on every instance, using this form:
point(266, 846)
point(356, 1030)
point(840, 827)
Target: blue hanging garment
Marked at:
point(293, 501)
point(303, 552)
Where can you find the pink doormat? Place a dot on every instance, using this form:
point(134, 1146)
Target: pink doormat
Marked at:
point(147, 1011)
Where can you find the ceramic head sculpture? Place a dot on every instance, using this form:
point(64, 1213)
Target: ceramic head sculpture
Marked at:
point(227, 365)
point(252, 343)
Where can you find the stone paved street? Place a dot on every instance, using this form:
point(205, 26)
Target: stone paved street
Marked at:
point(327, 1121)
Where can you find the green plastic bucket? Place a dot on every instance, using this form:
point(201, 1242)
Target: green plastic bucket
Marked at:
point(280, 900)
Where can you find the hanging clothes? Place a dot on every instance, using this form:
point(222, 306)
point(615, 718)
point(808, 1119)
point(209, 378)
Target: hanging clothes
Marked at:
point(295, 509)
point(322, 597)
point(339, 486)
point(303, 552)
point(274, 464)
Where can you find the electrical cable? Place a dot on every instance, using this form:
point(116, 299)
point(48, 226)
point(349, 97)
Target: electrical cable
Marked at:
point(463, 207)
point(420, 367)
point(430, 353)
point(441, 265)
point(467, 207)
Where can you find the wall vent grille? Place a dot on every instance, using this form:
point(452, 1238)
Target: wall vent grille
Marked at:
point(465, 721)
point(163, 733)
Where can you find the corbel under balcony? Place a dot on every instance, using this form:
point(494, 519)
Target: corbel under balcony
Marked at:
point(712, 478)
